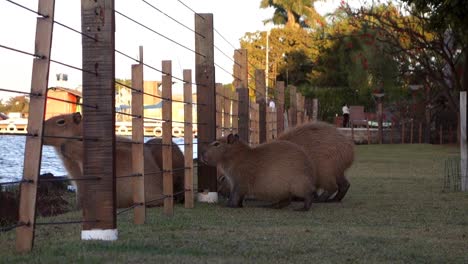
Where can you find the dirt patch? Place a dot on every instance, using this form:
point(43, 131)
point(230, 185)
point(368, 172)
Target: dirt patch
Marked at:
point(50, 200)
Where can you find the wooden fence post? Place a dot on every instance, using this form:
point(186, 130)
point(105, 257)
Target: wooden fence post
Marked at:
point(33, 146)
point(280, 107)
point(292, 106)
point(441, 135)
point(99, 201)
point(227, 111)
point(412, 130)
point(241, 84)
point(219, 110)
point(167, 138)
point(206, 96)
point(391, 132)
point(138, 165)
point(463, 142)
point(315, 103)
point(380, 119)
point(420, 133)
point(260, 87)
point(188, 140)
point(235, 111)
point(403, 132)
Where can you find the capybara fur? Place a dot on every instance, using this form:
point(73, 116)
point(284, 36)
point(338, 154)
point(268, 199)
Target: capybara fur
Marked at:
point(330, 151)
point(178, 163)
point(62, 127)
point(273, 172)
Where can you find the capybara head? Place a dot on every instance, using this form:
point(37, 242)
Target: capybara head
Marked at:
point(59, 128)
point(220, 149)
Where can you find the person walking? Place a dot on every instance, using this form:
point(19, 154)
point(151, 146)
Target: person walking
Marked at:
point(345, 110)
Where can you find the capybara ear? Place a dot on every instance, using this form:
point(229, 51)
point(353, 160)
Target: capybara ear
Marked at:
point(231, 139)
point(77, 118)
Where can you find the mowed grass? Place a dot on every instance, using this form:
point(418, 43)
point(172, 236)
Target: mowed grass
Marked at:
point(395, 212)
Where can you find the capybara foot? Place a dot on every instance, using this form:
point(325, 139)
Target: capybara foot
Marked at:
point(322, 198)
point(342, 190)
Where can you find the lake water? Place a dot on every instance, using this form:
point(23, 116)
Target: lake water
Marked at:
point(12, 158)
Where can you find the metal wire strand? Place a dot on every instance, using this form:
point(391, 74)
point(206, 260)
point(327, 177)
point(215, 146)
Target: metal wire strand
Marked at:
point(66, 222)
point(159, 34)
point(188, 7)
point(173, 19)
point(29, 9)
point(9, 228)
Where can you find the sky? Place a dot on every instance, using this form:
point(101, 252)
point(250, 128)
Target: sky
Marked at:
point(232, 19)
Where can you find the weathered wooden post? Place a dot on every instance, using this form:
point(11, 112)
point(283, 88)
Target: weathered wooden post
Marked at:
point(260, 86)
point(33, 147)
point(463, 142)
point(99, 214)
point(138, 164)
point(412, 130)
point(315, 109)
point(219, 110)
point(235, 112)
point(188, 140)
point(168, 186)
point(380, 118)
point(292, 106)
point(241, 85)
point(420, 132)
point(227, 111)
point(280, 107)
point(206, 97)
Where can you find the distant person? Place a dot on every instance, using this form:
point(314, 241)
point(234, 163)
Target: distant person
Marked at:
point(271, 104)
point(345, 110)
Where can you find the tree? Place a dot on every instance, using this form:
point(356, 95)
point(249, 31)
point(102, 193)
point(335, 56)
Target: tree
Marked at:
point(293, 13)
point(425, 55)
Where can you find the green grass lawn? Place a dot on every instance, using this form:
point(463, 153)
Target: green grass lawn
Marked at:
point(395, 212)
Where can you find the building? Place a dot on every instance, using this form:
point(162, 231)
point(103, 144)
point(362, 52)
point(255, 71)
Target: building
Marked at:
point(62, 100)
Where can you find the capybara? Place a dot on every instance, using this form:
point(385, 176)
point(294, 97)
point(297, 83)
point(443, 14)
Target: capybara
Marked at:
point(274, 172)
point(59, 129)
point(178, 163)
point(73, 150)
point(330, 150)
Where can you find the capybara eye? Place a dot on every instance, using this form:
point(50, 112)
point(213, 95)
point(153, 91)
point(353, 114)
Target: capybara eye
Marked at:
point(61, 122)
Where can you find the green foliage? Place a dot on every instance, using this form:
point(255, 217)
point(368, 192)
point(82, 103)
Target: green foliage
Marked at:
point(293, 13)
point(15, 104)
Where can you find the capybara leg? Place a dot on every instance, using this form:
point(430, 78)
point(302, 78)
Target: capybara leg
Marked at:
point(235, 199)
point(308, 201)
point(343, 186)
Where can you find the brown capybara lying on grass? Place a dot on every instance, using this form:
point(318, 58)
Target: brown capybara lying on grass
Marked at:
point(71, 153)
point(330, 151)
point(274, 172)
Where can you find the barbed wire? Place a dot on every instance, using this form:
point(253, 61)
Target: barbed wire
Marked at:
point(159, 34)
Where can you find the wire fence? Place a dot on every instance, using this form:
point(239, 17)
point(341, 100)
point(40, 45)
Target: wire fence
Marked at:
point(225, 102)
